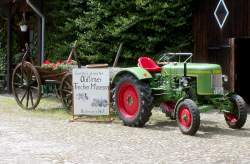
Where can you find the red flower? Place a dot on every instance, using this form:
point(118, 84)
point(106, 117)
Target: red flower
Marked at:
point(58, 62)
point(53, 65)
point(46, 62)
point(69, 61)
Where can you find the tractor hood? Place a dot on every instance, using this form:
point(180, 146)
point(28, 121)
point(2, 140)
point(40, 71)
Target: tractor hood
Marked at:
point(193, 69)
point(208, 76)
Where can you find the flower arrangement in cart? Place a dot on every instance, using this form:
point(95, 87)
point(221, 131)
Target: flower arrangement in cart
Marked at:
point(59, 65)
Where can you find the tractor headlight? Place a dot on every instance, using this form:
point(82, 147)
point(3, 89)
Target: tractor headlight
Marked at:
point(225, 78)
point(184, 82)
point(217, 84)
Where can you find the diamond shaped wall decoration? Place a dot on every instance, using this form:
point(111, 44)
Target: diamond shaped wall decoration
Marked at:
point(221, 13)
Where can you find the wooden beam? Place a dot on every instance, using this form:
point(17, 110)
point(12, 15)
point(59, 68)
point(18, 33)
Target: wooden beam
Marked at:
point(4, 2)
point(200, 31)
point(9, 48)
point(39, 55)
point(231, 75)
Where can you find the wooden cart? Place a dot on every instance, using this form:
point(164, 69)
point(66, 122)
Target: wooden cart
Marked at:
point(27, 81)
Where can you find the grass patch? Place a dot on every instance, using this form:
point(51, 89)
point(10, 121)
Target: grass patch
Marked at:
point(49, 107)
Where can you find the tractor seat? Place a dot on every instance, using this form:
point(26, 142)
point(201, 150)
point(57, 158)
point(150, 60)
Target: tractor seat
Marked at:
point(148, 64)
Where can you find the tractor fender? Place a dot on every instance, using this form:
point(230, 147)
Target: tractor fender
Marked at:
point(138, 72)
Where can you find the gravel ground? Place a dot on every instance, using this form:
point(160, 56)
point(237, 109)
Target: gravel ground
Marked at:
point(47, 136)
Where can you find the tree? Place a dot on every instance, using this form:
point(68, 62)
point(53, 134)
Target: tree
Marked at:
point(145, 26)
point(58, 35)
point(3, 39)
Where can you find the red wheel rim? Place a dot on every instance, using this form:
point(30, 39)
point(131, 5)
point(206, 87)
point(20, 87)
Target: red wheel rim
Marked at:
point(128, 102)
point(185, 117)
point(232, 118)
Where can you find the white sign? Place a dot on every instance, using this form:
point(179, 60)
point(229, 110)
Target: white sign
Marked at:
point(91, 91)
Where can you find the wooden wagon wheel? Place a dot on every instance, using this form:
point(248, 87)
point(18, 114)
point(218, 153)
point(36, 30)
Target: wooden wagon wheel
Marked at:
point(26, 85)
point(66, 92)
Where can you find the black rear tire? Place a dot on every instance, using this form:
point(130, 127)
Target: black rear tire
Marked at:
point(238, 117)
point(132, 100)
point(188, 117)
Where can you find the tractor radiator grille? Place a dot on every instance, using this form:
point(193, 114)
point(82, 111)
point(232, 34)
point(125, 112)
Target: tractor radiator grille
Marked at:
point(217, 84)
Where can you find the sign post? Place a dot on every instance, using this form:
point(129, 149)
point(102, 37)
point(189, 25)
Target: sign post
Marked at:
point(91, 92)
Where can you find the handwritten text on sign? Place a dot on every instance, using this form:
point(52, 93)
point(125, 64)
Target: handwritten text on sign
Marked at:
point(91, 91)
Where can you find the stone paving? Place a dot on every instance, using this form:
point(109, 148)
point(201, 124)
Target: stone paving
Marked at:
point(28, 137)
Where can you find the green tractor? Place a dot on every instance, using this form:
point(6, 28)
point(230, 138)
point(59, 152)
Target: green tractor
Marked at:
point(180, 88)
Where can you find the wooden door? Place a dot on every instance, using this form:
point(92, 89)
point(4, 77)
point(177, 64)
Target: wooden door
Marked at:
point(242, 65)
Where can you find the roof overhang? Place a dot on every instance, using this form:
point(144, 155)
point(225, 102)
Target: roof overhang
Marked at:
point(5, 2)
point(5, 5)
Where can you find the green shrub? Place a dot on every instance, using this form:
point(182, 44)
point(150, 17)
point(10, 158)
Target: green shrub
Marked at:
point(145, 26)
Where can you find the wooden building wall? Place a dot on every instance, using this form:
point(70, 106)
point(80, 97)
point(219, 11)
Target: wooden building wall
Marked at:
point(10, 9)
point(213, 44)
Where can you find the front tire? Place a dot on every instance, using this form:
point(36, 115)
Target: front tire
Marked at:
point(132, 100)
point(238, 117)
point(188, 117)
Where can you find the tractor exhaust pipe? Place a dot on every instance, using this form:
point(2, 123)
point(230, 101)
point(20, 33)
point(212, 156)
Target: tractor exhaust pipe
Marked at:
point(185, 69)
point(118, 54)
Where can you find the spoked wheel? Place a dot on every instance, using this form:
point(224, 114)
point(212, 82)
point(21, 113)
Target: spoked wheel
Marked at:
point(26, 85)
point(237, 118)
point(133, 100)
point(57, 91)
point(66, 92)
point(188, 117)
